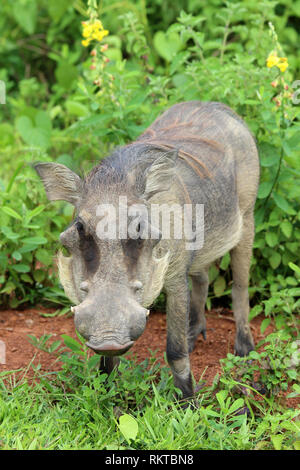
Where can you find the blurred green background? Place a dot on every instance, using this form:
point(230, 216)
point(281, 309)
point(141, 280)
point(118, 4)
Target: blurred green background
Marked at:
point(64, 104)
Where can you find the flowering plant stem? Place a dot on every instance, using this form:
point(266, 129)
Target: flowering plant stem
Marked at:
point(282, 136)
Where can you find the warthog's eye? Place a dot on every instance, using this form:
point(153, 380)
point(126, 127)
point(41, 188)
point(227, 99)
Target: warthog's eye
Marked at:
point(88, 248)
point(139, 241)
point(136, 240)
point(80, 227)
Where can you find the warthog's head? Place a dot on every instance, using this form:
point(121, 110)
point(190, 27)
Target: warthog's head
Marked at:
point(115, 269)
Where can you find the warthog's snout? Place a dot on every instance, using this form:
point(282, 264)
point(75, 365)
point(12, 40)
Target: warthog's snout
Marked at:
point(110, 324)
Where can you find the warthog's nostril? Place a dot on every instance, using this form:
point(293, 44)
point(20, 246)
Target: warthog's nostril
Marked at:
point(84, 286)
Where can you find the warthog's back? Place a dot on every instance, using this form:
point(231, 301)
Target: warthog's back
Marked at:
point(210, 138)
point(218, 167)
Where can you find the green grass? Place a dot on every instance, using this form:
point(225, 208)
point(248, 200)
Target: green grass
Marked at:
point(78, 408)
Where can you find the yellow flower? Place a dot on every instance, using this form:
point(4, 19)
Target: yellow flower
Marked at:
point(274, 61)
point(283, 64)
point(93, 31)
point(99, 35)
point(87, 30)
point(98, 24)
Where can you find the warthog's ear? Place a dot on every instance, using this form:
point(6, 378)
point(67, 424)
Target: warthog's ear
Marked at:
point(60, 182)
point(160, 174)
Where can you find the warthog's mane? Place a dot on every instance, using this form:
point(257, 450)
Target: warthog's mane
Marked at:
point(194, 129)
point(125, 167)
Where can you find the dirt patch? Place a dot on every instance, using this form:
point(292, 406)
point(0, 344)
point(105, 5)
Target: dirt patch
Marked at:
point(15, 326)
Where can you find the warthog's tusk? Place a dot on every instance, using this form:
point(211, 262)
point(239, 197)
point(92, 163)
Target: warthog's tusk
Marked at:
point(72, 309)
point(148, 313)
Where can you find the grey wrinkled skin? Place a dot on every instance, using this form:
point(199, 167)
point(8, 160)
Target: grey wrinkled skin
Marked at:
point(194, 153)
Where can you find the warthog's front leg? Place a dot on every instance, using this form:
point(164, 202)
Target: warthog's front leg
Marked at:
point(177, 334)
point(197, 310)
point(107, 364)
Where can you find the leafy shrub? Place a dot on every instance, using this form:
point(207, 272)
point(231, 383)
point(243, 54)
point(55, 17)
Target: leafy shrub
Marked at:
point(267, 372)
point(29, 233)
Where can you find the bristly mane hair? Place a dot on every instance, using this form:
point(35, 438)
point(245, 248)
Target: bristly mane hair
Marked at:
point(124, 161)
point(184, 132)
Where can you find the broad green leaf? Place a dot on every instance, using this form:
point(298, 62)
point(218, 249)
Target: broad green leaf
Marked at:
point(292, 374)
point(287, 228)
point(221, 397)
point(264, 189)
point(167, 44)
point(269, 154)
point(271, 239)
point(39, 275)
point(8, 288)
point(293, 247)
point(72, 344)
point(34, 212)
point(36, 133)
point(236, 405)
point(16, 255)
point(283, 204)
point(254, 355)
point(264, 324)
point(277, 441)
point(26, 278)
point(25, 13)
point(294, 267)
point(9, 211)
point(27, 248)
point(219, 286)
point(35, 240)
point(225, 262)
point(128, 427)
point(21, 268)
point(294, 292)
point(75, 108)
point(275, 260)
point(9, 233)
point(213, 272)
point(256, 310)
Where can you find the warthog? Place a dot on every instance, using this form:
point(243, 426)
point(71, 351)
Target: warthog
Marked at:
point(193, 154)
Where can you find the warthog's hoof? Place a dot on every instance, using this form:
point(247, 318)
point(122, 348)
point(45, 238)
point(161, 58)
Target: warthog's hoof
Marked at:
point(243, 342)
